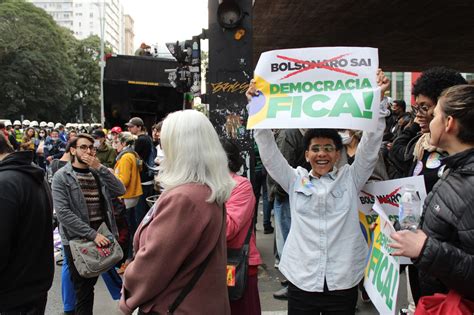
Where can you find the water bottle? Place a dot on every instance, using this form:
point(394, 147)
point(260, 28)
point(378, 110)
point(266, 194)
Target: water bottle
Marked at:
point(409, 209)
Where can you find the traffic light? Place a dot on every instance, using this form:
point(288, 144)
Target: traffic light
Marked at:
point(187, 77)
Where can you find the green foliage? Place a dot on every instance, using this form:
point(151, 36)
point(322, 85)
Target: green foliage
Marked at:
point(36, 74)
point(46, 73)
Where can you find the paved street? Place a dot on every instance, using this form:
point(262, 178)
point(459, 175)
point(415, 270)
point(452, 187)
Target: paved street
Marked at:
point(269, 281)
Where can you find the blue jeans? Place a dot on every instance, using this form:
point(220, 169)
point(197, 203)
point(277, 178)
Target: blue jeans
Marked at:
point(259, 184)
point(281, 209)
point(111, 278)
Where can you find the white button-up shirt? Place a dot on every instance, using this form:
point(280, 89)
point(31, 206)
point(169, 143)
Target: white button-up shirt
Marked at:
point(325, 240)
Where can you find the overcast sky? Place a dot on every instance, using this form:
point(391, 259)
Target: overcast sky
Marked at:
point(161, 21)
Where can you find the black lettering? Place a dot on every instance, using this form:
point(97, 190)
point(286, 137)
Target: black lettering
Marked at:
point(274, 67)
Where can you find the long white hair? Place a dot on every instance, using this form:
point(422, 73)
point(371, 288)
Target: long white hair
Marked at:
point(194, 154)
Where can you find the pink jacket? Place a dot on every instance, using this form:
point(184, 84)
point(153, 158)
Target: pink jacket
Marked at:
point(240, 212)
point(170, 244)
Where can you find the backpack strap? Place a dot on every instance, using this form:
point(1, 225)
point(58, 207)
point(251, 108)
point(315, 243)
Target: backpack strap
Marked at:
point(190, 285)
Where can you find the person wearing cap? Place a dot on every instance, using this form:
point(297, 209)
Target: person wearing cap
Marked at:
point(113, 136)
point(43, 124)
point(104, 153)
point(18, 132)
point(144, 147)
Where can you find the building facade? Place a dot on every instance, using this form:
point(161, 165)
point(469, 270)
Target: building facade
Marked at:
point(128, 35)
point(402, 82)
point(84, 18)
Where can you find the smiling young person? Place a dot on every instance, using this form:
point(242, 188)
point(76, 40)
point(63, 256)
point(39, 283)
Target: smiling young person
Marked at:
point(443, 250)
point(324, 254)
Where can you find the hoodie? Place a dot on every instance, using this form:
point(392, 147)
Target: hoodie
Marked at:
point(26, 232)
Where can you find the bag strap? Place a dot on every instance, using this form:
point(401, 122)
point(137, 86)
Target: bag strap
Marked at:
point(190, 285)
point(249, 233)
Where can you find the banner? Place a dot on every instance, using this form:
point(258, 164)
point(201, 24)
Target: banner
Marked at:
point(327, 87)
point(388, 194)
point(381, 277)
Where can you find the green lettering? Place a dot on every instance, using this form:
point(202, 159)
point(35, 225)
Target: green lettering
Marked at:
point(365, 84)
point(295, 87)
point(328, 86)
point(274, 89)
point(318, 86)
point(374, 260)
point(350, 84)
point(308, 106)
point(387, 287)
point(285, 88)
point(307, 87)
point(339, 85)
point(381, 267)
point(278, 104)
point(346, 104)
point(296, 107)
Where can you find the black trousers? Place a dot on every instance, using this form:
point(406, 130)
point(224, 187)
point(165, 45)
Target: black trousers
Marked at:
point(36, 307)
point(339, 302)
point(84, 287)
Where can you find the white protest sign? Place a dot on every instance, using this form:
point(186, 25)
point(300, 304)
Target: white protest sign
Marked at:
point(381, 277)
point(388, 193)
point(327, 87)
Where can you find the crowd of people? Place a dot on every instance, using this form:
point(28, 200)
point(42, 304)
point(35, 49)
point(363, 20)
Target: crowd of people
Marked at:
point(176, 246)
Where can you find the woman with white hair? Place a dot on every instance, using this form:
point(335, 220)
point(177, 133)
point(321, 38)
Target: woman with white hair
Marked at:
point(183, 236)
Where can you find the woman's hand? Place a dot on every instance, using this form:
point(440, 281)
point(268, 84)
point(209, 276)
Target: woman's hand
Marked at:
point(408, 243)
point(383, 82)
point(251, 91)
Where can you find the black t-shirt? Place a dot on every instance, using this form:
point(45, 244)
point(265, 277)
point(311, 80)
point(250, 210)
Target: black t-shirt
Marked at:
point(429, 167)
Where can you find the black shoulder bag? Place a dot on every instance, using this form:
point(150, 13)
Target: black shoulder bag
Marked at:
point(190, 285)
point(237, 268)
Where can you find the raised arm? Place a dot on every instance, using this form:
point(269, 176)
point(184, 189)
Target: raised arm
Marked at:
point(368, 150)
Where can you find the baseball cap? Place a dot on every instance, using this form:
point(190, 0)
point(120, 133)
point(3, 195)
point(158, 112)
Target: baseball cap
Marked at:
point(116, 129)
point(98, 134)
point(135, 121)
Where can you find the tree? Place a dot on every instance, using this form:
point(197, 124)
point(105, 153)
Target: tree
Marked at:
point(85, 56)
point(36, 77)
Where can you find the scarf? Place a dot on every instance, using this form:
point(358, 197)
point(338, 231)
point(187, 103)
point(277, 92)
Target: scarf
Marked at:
point(422, 145)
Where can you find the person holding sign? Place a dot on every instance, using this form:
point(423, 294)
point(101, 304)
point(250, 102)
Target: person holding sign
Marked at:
point(443, 248)
point(324, 254)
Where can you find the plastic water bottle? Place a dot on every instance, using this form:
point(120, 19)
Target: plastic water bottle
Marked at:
point(409, 209)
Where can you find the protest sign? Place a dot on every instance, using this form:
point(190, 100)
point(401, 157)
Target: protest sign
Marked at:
point(381, 278)
point(327, 87)
point(388, 194)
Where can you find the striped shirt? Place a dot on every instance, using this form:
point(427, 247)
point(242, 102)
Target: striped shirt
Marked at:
point(90, 190)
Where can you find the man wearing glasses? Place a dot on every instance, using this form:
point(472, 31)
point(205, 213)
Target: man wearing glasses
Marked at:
point(82, 192)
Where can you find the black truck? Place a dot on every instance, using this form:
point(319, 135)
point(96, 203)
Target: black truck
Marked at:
point(138, 86)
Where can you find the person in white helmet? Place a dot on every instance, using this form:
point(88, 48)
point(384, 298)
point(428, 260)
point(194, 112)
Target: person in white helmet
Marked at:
point(43, 124)
point(26, 124)
point(18, 132)
point(35, 125)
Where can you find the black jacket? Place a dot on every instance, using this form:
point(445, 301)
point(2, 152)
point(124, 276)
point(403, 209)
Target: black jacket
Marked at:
point(26, 232)
point(447, 258)
point(400, 157)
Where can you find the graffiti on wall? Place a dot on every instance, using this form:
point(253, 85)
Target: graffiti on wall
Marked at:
point(229, 87)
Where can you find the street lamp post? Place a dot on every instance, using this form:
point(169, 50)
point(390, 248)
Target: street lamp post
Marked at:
point(102, 61)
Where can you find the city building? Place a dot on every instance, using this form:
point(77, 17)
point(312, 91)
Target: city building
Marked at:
point(128, 35)
point(83, 18)
point(402, 83)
